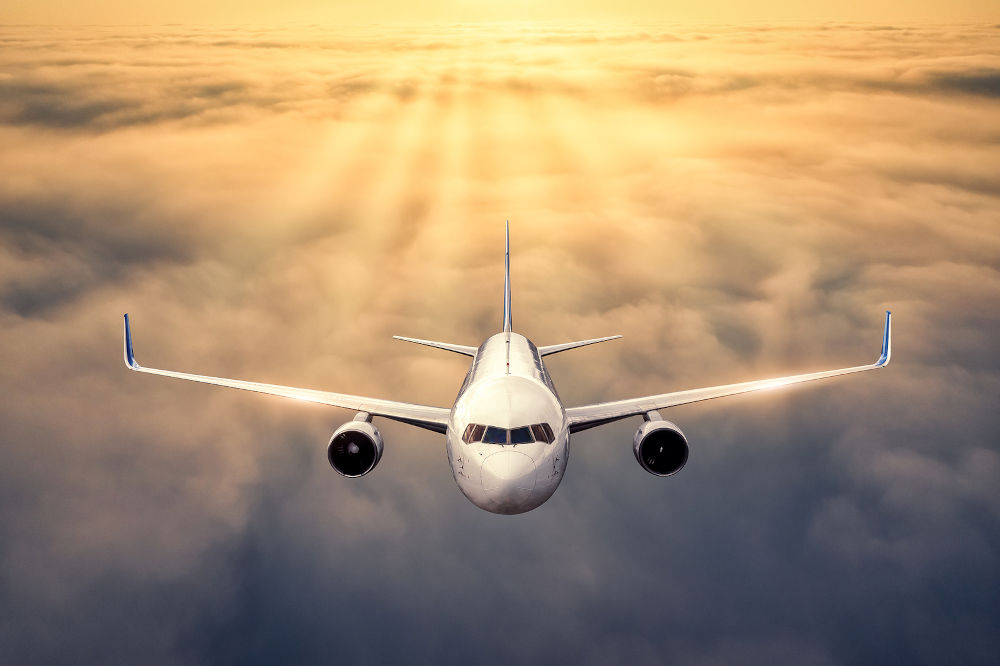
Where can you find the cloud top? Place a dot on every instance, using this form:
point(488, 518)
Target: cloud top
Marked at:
point(275, 204)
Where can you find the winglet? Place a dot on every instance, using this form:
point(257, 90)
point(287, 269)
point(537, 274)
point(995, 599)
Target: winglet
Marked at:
point(129, 355)
point(883, 360)
point(506, 283)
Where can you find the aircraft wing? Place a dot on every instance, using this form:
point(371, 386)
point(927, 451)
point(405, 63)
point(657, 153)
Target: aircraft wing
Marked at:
point(589, 416)
point(423, 416)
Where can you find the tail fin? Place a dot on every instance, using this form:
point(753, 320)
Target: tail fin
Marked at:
point(506, 284)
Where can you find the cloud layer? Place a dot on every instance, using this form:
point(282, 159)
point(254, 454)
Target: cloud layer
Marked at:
point(275, 204)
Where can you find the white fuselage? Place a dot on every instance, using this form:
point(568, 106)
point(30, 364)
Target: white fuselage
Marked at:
point(508, 387)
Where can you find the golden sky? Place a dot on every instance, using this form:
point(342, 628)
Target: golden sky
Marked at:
point(274, 203)
point(331, 13)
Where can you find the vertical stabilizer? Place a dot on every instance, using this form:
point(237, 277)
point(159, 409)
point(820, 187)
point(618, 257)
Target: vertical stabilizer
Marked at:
point(506, 283)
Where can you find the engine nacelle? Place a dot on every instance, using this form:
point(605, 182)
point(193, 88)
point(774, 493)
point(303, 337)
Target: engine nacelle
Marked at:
point(660, 447)
point(355, 448)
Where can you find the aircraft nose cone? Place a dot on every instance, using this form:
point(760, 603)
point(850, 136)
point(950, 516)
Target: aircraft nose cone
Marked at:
point(508, 470)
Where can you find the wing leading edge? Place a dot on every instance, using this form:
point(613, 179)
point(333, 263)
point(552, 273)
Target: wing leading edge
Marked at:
point(589, 416)
point(422, 416)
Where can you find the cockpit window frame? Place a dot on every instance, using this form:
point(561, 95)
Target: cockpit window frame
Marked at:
point(473, 433)
point(542, 432)
point(539, 432)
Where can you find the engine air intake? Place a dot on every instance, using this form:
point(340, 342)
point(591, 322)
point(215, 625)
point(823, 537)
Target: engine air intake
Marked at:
point(660, 447)
point(355, 448)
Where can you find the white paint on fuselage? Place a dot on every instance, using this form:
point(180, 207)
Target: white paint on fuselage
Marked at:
point(508, 386)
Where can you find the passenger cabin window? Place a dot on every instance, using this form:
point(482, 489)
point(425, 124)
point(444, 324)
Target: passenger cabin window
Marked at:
point(539, 432)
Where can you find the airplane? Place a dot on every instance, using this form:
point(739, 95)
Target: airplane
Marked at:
point(507, 434)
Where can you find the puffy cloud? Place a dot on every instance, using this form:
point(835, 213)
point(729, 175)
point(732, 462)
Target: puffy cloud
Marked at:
point(274, 204)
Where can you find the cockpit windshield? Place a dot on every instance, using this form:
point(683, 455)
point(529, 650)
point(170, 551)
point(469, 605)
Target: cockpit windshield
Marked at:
point(538, 432)
point(521, 435)
point(542, 432)
point(495, 435)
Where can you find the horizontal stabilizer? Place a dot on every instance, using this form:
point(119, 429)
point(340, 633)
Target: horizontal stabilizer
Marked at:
point(555, 349)
point(458, 349)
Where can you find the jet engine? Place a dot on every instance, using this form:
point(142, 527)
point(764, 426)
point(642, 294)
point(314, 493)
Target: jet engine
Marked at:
point(660, 447)
point(355, 448)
